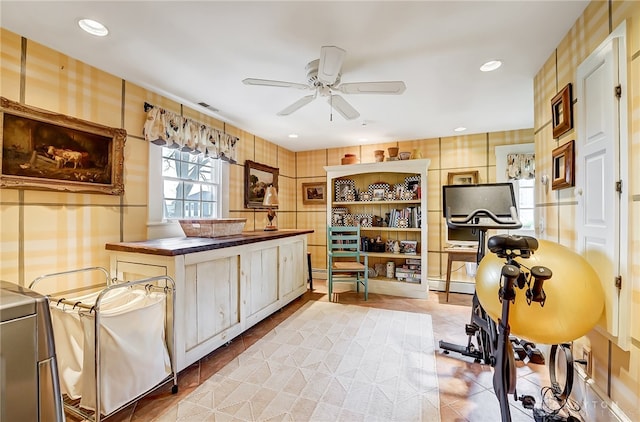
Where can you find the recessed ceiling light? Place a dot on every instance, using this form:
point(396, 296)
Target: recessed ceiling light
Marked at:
point(93, 27)
point(293, 135)
point(460, 129)
point(491, 65)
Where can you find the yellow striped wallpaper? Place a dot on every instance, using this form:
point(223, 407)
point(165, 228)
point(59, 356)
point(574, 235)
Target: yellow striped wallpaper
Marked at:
point(615, 370)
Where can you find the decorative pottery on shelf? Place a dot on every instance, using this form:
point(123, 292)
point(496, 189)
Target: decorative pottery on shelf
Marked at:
point(349, 159)
point(379, 155)
point(393, 151)
point(404, 155)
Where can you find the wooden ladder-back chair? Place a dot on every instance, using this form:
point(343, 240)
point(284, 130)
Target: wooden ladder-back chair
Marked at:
point(346, 262)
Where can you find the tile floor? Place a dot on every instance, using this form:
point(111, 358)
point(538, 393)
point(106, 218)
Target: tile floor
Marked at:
point(466, 392)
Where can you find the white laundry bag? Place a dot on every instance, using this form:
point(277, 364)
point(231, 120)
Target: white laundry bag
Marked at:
point(133, 353)
point(69, 337)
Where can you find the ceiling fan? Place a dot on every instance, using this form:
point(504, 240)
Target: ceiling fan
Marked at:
point(323, 77)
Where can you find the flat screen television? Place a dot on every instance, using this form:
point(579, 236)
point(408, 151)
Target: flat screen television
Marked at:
point(462, 237)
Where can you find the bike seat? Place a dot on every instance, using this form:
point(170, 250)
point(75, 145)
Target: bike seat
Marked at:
point(501, 243)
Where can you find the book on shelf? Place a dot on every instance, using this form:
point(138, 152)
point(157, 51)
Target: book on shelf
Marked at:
point(408, 275)
point(408, 217)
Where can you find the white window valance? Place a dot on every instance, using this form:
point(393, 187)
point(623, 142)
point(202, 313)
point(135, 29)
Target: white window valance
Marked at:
point(172, 130)
point(521, 166)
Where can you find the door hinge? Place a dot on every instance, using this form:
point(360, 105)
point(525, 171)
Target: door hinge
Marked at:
point(619, 186)
point(618, 281)
point(619, 91)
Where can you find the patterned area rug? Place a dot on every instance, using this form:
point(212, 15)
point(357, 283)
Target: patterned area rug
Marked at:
point(327, 362)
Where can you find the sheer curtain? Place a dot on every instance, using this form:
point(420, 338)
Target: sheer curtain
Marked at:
point(172, 130)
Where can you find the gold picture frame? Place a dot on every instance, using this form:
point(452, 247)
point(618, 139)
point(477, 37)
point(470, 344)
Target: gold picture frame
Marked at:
point(257, 177)
point(463, 177)
point(563, 166)
point(561, 112)
point(314, 193)
point(46, 150)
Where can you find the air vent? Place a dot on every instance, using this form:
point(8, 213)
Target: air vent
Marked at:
point(205, 105)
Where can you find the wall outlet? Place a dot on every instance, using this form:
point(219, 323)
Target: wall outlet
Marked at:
point(586, 356)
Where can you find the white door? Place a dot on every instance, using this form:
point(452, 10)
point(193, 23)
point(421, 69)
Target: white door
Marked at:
point(598, 171)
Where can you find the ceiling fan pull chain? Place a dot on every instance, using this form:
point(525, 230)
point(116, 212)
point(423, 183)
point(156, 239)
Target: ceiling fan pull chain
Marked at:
point(330, 107)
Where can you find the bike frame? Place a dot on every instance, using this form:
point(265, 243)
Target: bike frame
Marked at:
point(494, 346)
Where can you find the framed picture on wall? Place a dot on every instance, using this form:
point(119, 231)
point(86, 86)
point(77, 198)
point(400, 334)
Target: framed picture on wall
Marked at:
point(562, 163)
point(314, 193)
point(561, 112)
point(463, 178)
point(45, 150)
point(257, 178)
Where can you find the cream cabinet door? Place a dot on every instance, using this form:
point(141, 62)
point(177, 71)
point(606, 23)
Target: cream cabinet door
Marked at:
point(291, 268)
point(262, 280)
point(211, 299)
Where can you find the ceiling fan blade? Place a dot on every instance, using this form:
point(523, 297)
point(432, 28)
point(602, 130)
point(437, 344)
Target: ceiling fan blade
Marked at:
point(390, 87)
point(331, 58)
point(268, 82)
point(298, 104)
point(344, 108)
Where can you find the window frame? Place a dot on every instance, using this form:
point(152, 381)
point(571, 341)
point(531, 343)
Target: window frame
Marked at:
point(157, 225)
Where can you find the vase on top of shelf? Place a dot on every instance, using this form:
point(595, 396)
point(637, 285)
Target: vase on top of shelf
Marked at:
point(393, 152)
point(379, 155)
point(349, 159)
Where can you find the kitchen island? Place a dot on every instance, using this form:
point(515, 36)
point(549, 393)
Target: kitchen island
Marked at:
point(224, 285)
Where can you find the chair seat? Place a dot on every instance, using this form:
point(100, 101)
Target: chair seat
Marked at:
point(352, 266)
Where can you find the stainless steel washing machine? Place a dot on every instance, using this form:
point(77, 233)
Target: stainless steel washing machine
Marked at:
point(29, 385)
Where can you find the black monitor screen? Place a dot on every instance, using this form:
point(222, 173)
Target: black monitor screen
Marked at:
point(464, 199)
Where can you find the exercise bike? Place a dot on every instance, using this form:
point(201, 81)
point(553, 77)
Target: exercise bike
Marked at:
point(484, 207)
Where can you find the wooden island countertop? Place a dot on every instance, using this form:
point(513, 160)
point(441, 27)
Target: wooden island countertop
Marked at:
point(173, 246)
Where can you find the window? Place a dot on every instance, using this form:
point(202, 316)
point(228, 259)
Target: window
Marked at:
point(190, 185)
point(524, 189)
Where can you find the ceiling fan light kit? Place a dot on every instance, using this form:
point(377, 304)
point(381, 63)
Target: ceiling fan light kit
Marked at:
point(323, 77)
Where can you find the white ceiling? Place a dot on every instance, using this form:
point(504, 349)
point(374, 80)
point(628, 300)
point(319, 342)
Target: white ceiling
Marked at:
point(200, 51)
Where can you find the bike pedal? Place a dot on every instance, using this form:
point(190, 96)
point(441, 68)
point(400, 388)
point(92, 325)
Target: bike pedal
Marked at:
point(535, 356)
point(520, 353)
point(528, 402)
point(470, 329)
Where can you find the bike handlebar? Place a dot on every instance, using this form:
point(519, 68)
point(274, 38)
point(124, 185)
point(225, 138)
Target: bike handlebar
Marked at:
point(511, 222)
